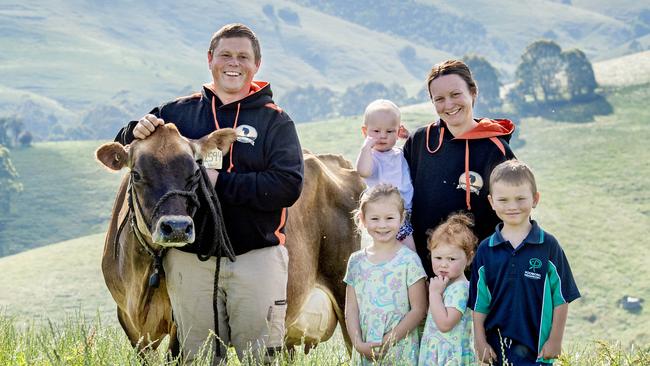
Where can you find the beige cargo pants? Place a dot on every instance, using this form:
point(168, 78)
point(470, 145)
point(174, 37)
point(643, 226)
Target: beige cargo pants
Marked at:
point(251, 300)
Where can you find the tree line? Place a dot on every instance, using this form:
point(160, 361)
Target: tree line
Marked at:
point(12, 134)
point(545, 77)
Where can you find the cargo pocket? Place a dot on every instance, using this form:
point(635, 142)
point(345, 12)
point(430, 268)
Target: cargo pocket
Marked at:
point(275, 320)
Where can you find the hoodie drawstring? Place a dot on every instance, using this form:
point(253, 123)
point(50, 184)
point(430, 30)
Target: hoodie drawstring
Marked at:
point(467, 182)
point(468, 191)
point(442, 134)
point(232, 146)
point(234, 126)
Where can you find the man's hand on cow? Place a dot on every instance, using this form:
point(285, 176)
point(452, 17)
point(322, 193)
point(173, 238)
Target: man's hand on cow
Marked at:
point(213, 175)
point(146, 125)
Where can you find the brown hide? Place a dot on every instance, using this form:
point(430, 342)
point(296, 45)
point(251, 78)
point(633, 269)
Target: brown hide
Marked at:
point(320, 238)
point(143, 312)
point(321, 233)
point(164, 161)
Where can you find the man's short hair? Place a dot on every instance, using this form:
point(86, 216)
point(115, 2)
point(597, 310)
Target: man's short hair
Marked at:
point(513, 172)
point(236, 30)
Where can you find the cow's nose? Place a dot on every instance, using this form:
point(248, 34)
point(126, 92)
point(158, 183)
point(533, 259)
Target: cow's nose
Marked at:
point(174, 231)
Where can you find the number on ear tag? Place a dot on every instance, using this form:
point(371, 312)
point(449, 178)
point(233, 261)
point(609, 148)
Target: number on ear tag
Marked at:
point(213, 159)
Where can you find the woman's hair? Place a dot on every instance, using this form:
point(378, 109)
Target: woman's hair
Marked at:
point(451, 67)
point(379, 192)
point(456, 230)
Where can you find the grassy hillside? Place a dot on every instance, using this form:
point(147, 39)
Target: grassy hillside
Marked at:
point(57, 281)
point(66, 194)
point(135, 56)
point(592, 200)
point(131, 55)
point(632, 69)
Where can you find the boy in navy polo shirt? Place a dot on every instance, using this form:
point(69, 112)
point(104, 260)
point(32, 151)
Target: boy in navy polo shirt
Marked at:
point(521, 283)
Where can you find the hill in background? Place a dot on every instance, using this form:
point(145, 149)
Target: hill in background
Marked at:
point(83, 68)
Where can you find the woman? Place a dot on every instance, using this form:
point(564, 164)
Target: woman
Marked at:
point(450, 160)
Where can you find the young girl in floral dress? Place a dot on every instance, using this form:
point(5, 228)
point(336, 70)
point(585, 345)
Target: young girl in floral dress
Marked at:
point(386, 292)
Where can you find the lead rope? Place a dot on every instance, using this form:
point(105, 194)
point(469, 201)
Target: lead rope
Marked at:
point(220, 242)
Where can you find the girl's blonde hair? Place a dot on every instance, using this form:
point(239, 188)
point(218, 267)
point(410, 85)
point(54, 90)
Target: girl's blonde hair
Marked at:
point(374, 194)
point(456, 230)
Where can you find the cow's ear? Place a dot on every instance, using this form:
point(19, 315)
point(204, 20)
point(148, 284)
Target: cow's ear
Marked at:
point(112, 155)
point(219, 139)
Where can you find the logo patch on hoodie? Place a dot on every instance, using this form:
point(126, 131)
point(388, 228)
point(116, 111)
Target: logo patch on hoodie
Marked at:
point(475, 182)
point(246, 134)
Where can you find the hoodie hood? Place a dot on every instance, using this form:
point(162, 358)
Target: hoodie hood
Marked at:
point(259, 95)
point(487, 128)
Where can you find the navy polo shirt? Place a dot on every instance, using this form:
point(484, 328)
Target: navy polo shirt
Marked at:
point(519, 288)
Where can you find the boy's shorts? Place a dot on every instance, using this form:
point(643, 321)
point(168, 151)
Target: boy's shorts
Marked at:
point(406, 229)
point(515, 353)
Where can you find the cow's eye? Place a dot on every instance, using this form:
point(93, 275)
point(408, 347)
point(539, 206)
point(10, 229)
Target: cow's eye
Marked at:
point(136, 176)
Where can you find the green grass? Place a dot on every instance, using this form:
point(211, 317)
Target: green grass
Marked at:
point(79, 340)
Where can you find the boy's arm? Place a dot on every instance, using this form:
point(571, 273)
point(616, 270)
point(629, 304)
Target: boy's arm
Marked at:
point(484, 351)
point(553, 345)
point(445, 318)
point(418, 300)
point(364, 160)
point(352, 323)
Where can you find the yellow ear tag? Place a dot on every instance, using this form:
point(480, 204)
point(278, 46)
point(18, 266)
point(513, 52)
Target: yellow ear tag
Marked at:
point(213, 159)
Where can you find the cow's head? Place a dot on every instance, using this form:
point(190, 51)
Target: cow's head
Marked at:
point(164, 162)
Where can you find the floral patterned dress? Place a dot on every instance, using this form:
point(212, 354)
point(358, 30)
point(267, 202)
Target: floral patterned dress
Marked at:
point(453, 348)
point(382, 296)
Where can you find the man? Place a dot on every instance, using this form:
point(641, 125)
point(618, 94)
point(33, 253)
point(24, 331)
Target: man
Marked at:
point(260, 177)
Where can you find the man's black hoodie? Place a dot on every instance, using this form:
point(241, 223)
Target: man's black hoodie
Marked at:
point(261, 175)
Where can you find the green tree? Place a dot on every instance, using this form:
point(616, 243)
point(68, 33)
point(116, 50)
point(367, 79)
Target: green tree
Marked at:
point(9, 184)
point(309, 103)
point(357, 97)
point(25, 139)
point(538, 74)
point(581, 82)
point(487, 78)
point(10, 129)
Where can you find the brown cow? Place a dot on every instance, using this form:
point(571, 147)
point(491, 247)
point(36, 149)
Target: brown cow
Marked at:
point(163, 163)
point(320, 235)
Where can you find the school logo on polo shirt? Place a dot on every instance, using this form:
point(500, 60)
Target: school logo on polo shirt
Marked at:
point(535, 264)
